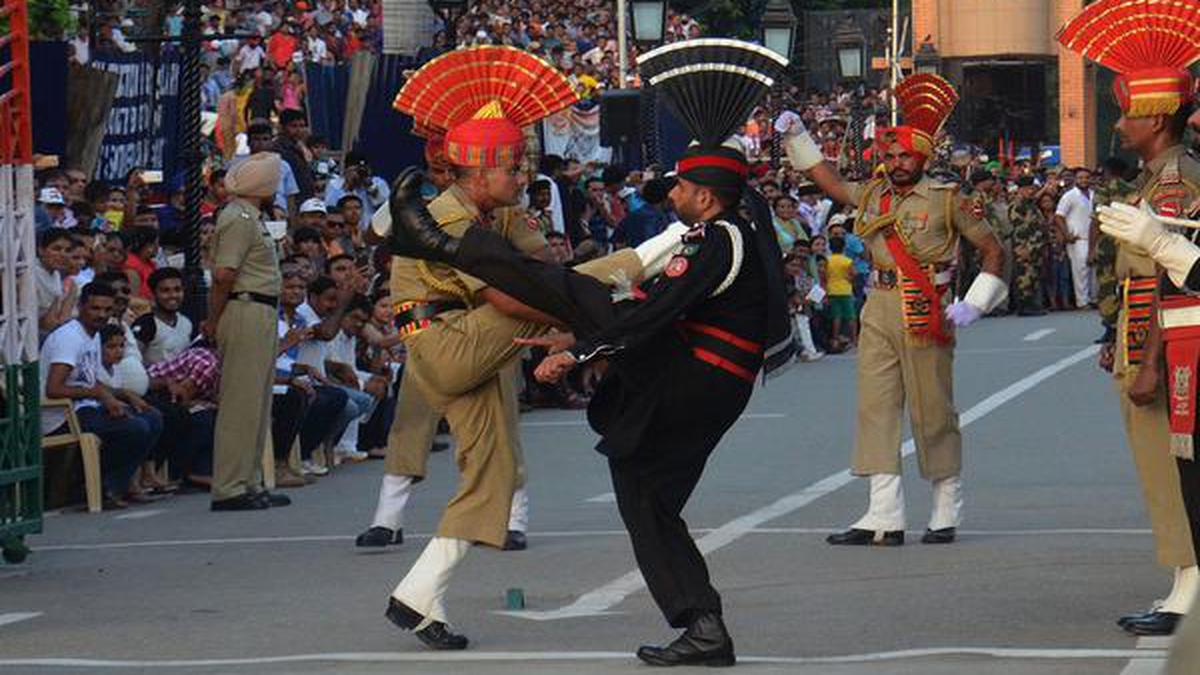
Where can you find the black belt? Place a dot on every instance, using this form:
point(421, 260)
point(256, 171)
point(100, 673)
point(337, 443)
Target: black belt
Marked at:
point(411, 317)
point(248, 296)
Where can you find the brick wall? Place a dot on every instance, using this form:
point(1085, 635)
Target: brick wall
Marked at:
point(1076, 99)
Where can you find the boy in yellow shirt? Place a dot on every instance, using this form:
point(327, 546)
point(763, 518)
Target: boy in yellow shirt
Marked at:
point(839, 274)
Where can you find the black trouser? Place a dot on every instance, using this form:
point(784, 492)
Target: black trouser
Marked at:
point(288, 411)
point(1189, 481)
point(581, 302)
point(173, 444)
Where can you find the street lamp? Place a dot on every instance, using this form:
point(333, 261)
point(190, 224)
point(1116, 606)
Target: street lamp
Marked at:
point(649, 21)
point(849, 45)
point(779, 27)
point(927, 59)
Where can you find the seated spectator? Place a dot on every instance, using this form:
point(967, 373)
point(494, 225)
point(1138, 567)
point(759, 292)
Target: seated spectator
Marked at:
point(364, 390)
point(164, 333)
point(52, 203)
point(303, 363)
point(306, 241)
point(140, 259)
point(71, 364)
point(789, 228)
point(186, 386)
point(560, 248)
point(341, 268)
point(647, 215)
point(381, 352)
point(337, 237)
point(538, 212)
point(79, 260)
point(803, 301)
point(357, 179)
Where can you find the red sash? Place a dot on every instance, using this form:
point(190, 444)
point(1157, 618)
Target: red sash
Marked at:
point(914, 272)
point(1183, 353)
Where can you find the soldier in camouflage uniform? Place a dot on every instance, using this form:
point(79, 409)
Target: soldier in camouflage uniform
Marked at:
point(1104, 253)
point(1029, 241)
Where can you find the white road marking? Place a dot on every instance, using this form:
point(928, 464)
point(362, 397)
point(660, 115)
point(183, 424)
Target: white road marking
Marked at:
point(139, 515)
point(1054, 532)
point(603, 498)
point(14, 617)
point(1150, 657)
point(581, 422)
point(484, 657)
point(601, 600)
point(1039, 334)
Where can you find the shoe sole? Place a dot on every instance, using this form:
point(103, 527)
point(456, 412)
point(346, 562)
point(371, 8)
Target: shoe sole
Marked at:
point(719, 662)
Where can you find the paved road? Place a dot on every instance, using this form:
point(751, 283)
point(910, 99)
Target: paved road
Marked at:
point(1056, 546)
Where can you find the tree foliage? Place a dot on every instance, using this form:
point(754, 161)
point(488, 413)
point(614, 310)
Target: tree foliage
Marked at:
point(50, 19)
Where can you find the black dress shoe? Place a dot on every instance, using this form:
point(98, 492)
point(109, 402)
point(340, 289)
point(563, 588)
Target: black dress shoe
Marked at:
point(415, 233)
point(942, 536)
point(1129, 618)
point(242, 502)
point(857, 537)
point(379, 537)
point(436, 635)
point(515, 541)
point(1154, 623)
point(274, 500)
point(704, 643)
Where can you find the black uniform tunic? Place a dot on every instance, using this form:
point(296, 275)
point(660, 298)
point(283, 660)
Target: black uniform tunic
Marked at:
point(682, 368)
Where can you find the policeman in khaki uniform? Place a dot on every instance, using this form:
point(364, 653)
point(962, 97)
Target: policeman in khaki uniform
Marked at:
point(459, 333)
point(416, 421)
point(911, 225)
point(1154, 91)
point(242, 316)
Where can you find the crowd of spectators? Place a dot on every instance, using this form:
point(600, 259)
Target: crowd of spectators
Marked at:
point(110, 290)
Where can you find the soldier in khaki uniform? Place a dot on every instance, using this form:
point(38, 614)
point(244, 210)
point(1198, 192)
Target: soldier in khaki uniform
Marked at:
point(416, 421)
point(911, 225)
point(242, 316)
point(1154, 94)
point(458, 332)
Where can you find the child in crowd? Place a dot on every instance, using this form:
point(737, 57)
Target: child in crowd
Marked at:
point(840, 286)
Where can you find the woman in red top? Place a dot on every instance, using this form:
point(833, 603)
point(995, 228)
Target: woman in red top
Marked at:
point(139, 263)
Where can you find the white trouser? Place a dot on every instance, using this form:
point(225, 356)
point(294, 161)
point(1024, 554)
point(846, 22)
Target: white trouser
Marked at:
point(518, 513)
point(1081, 274)
point(393, 496)
point(423, 589)
point(1183, 592)
point(804, 331)
point(885, 509)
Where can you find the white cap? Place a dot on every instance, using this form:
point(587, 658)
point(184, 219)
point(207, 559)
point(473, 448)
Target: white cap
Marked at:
point(313, 205)
point(51, 196)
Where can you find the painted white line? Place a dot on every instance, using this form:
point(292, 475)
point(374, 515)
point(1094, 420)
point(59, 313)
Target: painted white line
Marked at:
point(601, 600)
point(14, 617)
point(1150, 657)
point(603, 498)
point(983, 351)
point(485, 657)
point(581, 422)
point(139, 515)
point(1056, 532)
point(1039, 334)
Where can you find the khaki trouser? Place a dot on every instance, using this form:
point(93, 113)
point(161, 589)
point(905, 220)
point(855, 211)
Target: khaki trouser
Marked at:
point(891, 373)
point(248, 342)
point(1185, 647)
point(416, 422)
point(1149, 435)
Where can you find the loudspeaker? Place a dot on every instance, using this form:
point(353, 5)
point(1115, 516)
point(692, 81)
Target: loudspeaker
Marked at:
point(620, 117)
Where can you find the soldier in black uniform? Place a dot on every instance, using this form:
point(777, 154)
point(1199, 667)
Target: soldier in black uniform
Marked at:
point(683, 358)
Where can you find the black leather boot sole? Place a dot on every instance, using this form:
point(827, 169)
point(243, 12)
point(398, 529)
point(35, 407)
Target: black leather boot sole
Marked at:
point(857, 537)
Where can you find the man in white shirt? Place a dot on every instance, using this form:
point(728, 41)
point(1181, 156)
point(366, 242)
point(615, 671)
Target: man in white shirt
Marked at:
point(250, 56)
point(1074, 214)
point(358, 179)
point(70, 365)
point(323, 313)
point(164, 333)
point(364, 391)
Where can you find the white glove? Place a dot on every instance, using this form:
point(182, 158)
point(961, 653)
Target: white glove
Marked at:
point(985, 294)
point(657, 251)
point(1142, 229)
point(963, 313)
point(801, 149)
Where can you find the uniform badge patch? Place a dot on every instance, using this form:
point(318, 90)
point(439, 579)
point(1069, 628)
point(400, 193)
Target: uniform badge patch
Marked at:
point(677, 267)
point(1169, 201)
point(690, 250)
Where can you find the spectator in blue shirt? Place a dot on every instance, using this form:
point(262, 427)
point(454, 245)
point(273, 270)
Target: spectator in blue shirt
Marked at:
point(647, 213)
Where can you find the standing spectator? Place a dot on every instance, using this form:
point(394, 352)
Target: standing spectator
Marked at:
point(250, 56)
point(1058, 264)
point(140, 259)
point(1074, 215)
point(293, 93)
point(282, 45)
point(258, 134)
point(357, 179)
point(649, 216)
point(71, 363)
point(292, 147)
point(843, 311)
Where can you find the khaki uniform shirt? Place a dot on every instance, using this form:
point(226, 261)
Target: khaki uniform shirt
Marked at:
point(417, 281)
point(1171, 184)
point(929, 219)
point(242, 243)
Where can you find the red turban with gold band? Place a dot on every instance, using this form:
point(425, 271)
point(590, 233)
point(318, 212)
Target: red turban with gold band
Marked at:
point(1149, 43)
point(925, 102)
point(479, 98)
